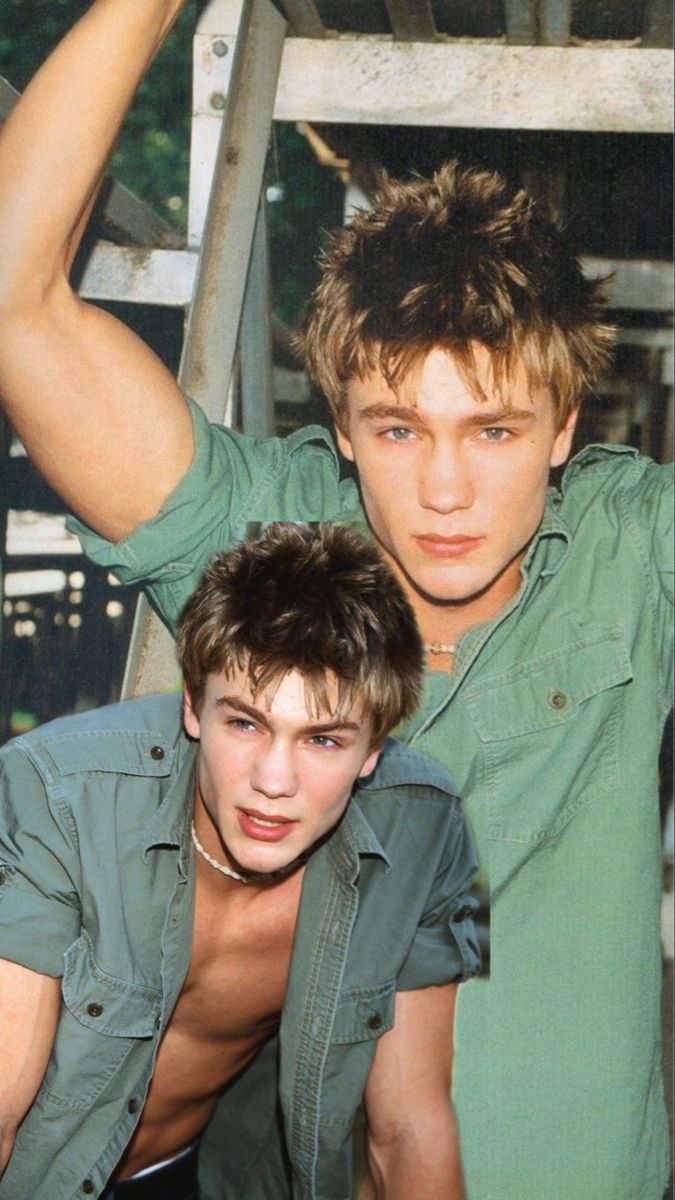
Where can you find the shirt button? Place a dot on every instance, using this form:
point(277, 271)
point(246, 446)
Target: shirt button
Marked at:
point(94, 1010)
point(557, 699)
point(88, 1186)
point(132, 1106)
point(375, 1021)
point(157, 752)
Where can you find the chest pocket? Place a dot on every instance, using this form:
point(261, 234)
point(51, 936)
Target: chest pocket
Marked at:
point(549, 732)
point(362, 1016)
point(101, 1019)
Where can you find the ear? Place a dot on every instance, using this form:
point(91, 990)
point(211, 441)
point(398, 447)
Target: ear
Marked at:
point(344, 442)
point(190, 718)
point(563, 439)
point(371, 762)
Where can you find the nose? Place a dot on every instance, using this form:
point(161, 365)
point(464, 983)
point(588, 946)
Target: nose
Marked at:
point(445, 482)
point(274, 774)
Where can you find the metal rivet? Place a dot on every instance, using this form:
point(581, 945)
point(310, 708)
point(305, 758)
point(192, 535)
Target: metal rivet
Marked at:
point(217, 101)
point(557, 699)
point(220, 48)
point(94, 1010)
point(88, 1186)
point(375, 1021)
point(157, 752)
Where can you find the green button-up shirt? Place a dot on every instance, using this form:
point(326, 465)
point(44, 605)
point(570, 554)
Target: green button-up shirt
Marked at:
point(550, 723)
point(97, 887)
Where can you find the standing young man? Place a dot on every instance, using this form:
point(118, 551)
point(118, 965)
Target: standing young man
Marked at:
point(154, 878)
point(455, 337)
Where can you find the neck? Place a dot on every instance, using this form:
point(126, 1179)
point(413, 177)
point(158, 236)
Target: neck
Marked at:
point(446, 621)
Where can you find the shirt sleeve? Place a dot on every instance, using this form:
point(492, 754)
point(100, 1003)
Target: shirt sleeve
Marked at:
point(233, 481)
point(646, 512)
point(39, 870)
point(445, 947)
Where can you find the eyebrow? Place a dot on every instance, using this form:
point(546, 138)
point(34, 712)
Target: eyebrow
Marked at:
point(255, 713)
point(483, 418)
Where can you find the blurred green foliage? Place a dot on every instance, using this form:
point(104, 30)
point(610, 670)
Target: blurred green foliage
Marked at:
point(152, 154)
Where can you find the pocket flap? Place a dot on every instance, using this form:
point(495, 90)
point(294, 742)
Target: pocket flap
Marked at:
point(364, 1014)
point(101, 1001)
point(549, 690)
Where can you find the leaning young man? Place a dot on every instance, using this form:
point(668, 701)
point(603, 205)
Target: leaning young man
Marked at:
point(455, 338)
point(182, 881)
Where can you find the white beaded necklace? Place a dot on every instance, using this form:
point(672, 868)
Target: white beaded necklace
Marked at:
point(440, 647)
point(213, 862)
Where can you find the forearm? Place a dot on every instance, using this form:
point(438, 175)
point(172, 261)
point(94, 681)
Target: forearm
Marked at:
point(7, 1135)
point(55, 144)
point(419, 1161)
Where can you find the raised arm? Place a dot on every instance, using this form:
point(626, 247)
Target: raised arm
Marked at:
point(29, 1011)
point(412, 1143)
point(98, 412)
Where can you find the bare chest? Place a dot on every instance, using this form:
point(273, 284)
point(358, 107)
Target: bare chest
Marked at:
point(229, 1005)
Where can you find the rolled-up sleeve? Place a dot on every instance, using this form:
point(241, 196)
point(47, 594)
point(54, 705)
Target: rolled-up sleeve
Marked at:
point(39, 870)
point(233, 480)
point(445, 947)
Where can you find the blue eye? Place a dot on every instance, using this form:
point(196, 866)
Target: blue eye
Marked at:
point(399, 434)
point(495, 433)
point(322, 739)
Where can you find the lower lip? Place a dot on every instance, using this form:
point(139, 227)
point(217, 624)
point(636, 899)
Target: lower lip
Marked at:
point(263, 833)
point(452, 549)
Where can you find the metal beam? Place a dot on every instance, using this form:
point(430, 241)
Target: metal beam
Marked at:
point(657, 28)
point(411, 20)
point(635, 284)
point(303, 18)
point(166, 277)
point(139, 276)
point(213, 323)
point(555, 20)
point(521, 22)
point(255, 340)
point(224, 257)
point(471, 85)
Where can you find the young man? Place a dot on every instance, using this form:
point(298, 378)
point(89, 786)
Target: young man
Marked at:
point(155, 878)
point(455, 338)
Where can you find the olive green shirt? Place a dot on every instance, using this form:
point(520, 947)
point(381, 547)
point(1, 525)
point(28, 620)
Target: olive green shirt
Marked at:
point(97, 888)
point(550, 724)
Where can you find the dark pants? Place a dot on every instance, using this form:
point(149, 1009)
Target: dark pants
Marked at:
point(176, 1181)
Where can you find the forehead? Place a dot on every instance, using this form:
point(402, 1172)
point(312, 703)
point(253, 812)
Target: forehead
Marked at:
point(440, 381)
point(289, 696)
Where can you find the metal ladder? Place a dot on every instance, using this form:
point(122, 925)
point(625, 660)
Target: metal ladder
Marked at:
point(235, 80)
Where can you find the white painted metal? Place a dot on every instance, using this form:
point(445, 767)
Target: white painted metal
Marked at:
point(166, 277)
point(467, 84)
point(139, 276)
point(211, 335)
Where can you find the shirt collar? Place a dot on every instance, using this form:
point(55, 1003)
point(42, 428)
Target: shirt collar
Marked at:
point(354, 839)
point(552, 541)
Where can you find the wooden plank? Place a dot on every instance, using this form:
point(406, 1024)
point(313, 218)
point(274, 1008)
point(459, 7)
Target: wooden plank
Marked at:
point(411, 20)
point(555, 19)
point(471, 85)
point(303, 18)
point(521, 22)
